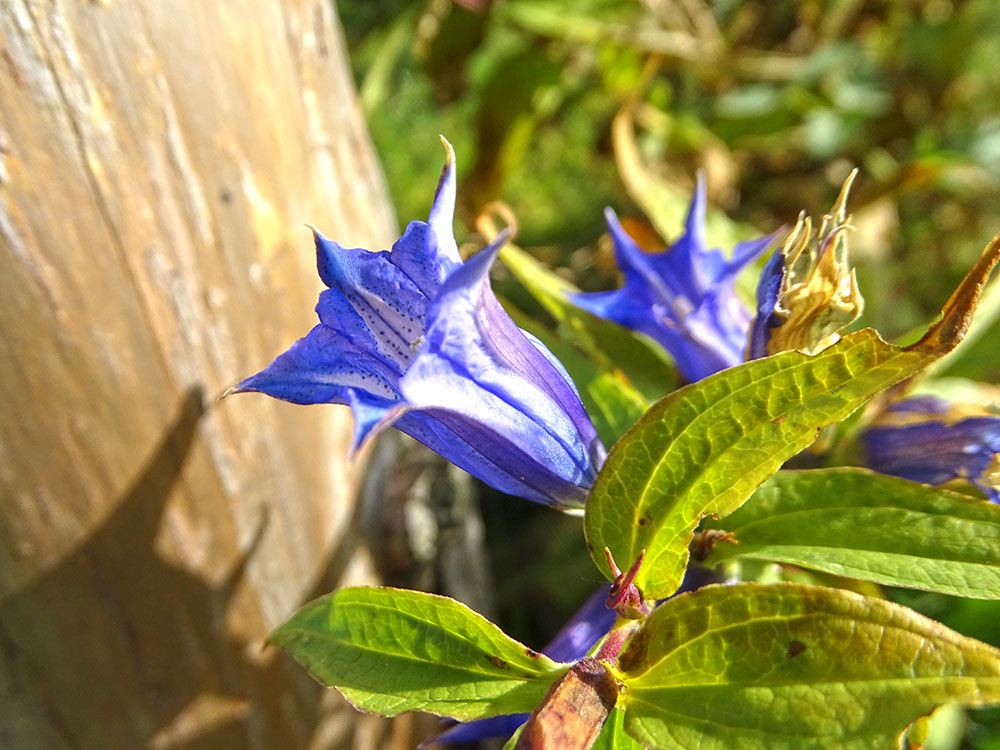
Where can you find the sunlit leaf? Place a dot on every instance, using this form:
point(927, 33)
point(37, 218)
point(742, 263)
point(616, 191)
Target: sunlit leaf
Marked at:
point(613, 736)
point(792, 667)
point(859, 524)
point(391, 650)
point(704, 449)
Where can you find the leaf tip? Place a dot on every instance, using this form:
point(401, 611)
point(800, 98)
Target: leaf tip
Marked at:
point(956, 316)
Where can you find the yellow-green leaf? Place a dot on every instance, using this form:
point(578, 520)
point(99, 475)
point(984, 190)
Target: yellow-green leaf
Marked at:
point(792, 667)
point(613, 735)
point(860, 524)
point(391, 650)
point(704, 449)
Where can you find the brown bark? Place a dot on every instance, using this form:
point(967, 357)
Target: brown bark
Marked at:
point(158, 160)
point(574, 711)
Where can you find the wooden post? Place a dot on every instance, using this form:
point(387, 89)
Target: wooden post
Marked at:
point(158, 159)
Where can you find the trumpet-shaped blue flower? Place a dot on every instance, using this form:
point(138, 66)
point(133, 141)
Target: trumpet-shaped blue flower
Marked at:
point(683, 297)
point(415, 339)
point(929, 440)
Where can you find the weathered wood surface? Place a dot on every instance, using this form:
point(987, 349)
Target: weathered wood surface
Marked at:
point(158, 159)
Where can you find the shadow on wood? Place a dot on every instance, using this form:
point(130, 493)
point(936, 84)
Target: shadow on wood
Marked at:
point(157, 619)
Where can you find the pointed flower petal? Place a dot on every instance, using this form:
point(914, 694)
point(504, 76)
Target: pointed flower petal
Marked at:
point(769, 286)
point(684, 298)
point(371, 301)
point(520, 420)
point(442, 217)
point(427, 252)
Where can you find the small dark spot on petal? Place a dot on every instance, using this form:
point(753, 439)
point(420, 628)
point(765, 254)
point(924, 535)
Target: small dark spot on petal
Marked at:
point(794, 649)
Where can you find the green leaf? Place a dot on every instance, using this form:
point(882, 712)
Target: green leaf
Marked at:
point(613, 735)
point(610, 347)
point(792, 667)
point(704, 449)
point(511, 743)
point(859, 524)
point(613, 404)
point(579, 26)
point(392, 650)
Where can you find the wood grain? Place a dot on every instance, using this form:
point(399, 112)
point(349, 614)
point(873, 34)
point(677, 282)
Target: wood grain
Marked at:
point(157, 163)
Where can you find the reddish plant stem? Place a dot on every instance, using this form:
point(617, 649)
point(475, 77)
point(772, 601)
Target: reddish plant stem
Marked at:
point(574, 710)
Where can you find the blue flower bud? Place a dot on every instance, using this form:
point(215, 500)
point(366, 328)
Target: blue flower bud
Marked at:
point(927, 439)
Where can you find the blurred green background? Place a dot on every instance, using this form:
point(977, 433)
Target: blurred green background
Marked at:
point(562, 107)
point(777, 101)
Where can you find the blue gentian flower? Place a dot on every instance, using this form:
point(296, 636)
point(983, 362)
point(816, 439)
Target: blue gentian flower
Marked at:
point(683, 297)
point(415, 339)
point(927, 439)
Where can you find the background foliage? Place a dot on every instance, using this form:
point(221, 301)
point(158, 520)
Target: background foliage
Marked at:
point(776, 101)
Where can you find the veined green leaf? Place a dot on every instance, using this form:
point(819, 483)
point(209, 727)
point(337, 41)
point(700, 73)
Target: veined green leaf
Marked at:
point(792, 667)
point(392, 650)
point(860, 524)
point(613, 735)
point(704, 449)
